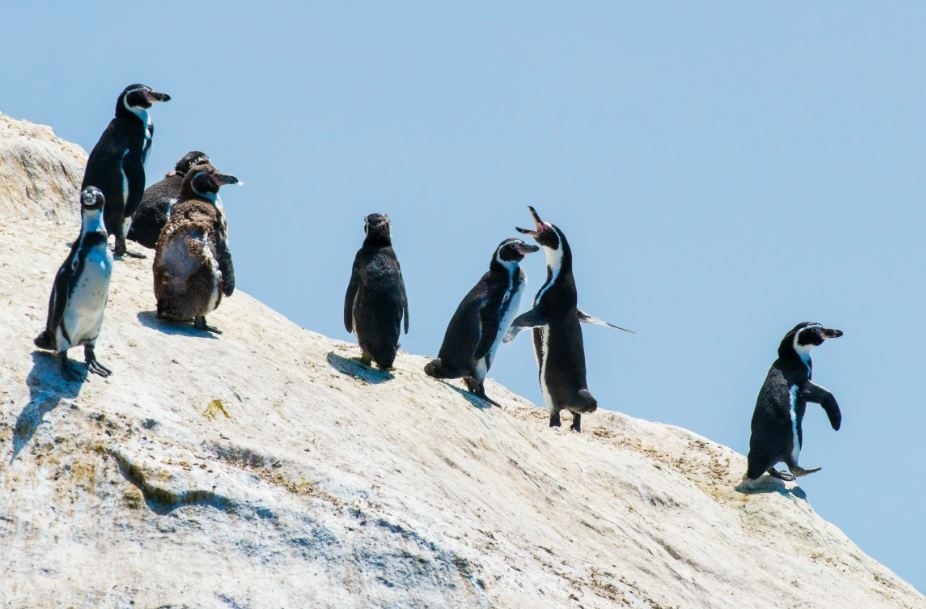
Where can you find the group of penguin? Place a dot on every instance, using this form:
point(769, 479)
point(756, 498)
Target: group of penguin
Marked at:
point(182, 218)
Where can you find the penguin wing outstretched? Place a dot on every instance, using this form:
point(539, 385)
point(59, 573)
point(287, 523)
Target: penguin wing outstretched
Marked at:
point(134, 169)
point(591, 319)
point(819, 395)
point(530, 319)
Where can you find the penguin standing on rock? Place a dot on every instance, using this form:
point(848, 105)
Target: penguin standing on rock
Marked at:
point(116, 164)
point(192, 263)
point(81, 290)
point(376, 303)
point(555, 319)
point(482, 318)
point(777, 433)
point(158, 199)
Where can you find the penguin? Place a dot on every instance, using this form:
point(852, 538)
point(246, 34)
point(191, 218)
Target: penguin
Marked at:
point(157, 200)
point(192, 263)
point(555, 319)
point(116, 164)
point(375, 302)
point(81, 290)
point(482, 318)
point(777, 433)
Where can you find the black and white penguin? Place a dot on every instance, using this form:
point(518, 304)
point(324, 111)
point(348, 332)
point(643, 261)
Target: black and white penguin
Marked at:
point(158, 199)
point(81, 290)
point(777, 434)
point(376, 303)
point(555, 319)
point(192, 263)
point(482, 318)
point(116, 164)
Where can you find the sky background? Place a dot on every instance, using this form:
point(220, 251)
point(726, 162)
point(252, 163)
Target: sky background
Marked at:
point(722, 171)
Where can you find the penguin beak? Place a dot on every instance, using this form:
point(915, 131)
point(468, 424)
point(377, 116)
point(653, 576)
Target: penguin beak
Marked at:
point(224, 179)
point(537, 221)
point(524, 248)
point(154, 96)
point(829, 333)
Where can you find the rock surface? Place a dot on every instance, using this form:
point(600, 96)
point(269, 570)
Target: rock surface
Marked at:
point(265, 469)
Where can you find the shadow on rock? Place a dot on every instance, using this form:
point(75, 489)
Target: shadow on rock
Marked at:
point(149, 319)
point(353, 368)
point(474, 400)
point(46, 390)
point(767, 484)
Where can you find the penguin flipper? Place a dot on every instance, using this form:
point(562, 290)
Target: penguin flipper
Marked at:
point(404, 301)
point(350, 297)
point(226, 268)
point(58, 300)
point(489, 332)
point(530, 319)
point(134, 169)
point(591, 319)
point(819, 395)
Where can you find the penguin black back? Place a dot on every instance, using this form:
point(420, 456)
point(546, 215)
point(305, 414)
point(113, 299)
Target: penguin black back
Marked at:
point(116, 164)
point(159, 198)
point(777, 432)
point(376, 302)
point(482, 318)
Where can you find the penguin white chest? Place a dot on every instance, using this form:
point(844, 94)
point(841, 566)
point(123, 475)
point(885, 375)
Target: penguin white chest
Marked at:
point(512, 300)
point(83, 315)
point(542, 354)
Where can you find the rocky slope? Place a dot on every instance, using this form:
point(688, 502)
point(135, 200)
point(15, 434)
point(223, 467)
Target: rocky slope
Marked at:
point(265, 469)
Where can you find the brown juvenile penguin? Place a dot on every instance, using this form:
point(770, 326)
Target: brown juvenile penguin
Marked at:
point(192, 262)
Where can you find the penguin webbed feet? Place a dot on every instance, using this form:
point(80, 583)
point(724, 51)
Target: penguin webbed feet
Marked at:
point(93, 365)
point(200, 324)
point(120, 250)
point(477, 388)
point(576, 426)
point(799, 471)
point(69, 369)
point(774, 473)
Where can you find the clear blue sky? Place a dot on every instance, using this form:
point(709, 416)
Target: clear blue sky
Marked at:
point(723, 172)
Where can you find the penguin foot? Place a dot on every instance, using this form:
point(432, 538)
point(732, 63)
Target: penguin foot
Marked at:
point(477, 388)
point(93, 365)
point(774, 473)
point(554, 420)
point(200, 324)
point(576, 423)
point(68, 369)
point(131, 254)
point(799, 471)
point(366, 359)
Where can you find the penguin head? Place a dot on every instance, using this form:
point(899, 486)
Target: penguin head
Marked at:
point(512, 251)
point(546, 234)
point(377, 229)
point(203, 182)
point(92, 199)
point(805, 336)
point(193, 157)
point(137, 98)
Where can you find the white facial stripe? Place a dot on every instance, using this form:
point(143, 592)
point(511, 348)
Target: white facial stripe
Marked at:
point(796, 443)
point(803, 351)
point(554, 263)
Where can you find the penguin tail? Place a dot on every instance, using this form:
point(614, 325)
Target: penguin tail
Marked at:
point(45, 341)
point(587, 401)
point(435, 369)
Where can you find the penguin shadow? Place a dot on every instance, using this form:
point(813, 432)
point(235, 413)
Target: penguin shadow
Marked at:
point(46, 390)
point(354, 369)
point(149, 319)
point(766, 484)
point(474, 400)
